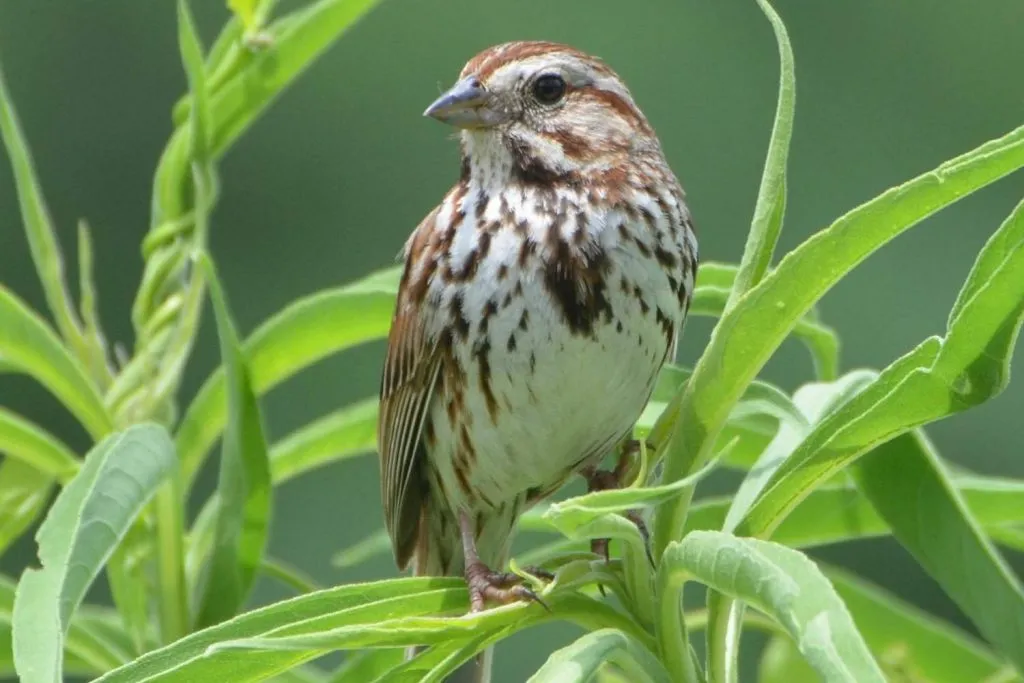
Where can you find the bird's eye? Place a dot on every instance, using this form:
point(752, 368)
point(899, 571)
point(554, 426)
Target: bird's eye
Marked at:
point(549, 88)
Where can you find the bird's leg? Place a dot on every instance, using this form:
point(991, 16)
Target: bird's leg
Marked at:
point(484, 583)
point(602, 480)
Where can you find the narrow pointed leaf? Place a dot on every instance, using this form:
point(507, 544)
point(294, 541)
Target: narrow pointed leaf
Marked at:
point(191, 658)
point(93, 340)
point(243, 487)
point(42, 237)
point(750, 332)
point(28, 344)
point(933, 522)
point(29, 443)
point(303, 333)
point(837, 513)
point(907, 638)
point(771, 197)
point(24, 493)
point(83, 527)
point(937, 379)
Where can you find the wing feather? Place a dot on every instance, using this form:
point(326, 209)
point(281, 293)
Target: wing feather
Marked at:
point(410, 375)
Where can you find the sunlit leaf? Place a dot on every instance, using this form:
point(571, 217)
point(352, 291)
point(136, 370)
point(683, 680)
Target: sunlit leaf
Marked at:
point(750, 332)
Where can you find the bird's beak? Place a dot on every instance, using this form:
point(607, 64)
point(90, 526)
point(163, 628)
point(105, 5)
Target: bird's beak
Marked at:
point(465, 105)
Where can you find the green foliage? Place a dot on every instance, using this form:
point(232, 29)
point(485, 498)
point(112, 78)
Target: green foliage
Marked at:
point(87, 520)
point(243, 489)
point(841, 458)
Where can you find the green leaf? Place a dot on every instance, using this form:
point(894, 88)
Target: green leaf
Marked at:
point(29, 443)
point(905, 637)
point(453, 657)
point(813, 401)
point(245, 10)
point(754, 420)
point(128, 574)
point(192, 658)
point(839, 512)
point(422, 628)
point(938, 378)
point(292, 46)
point(241, 86)
point(24, 493)
point(771, 196)
point(93, 340)
point(340, 435)
point(785, 585)
point(750, 332)
point(28, 344)
point(932, 521)
point(711, 297)
point(575, 517)
point(367, 665)
point(42, 238)
point(376, 615)
point(243, 487)
point(93, 643)
point(88, 519)
point(302, 674)
point(305, 332)
point(580, 661)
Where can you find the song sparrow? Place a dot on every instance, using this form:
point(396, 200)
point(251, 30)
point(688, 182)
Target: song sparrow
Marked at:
point(538, 303)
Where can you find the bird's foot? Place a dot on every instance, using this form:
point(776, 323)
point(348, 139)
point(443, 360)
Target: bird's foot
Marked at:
point(501, 587)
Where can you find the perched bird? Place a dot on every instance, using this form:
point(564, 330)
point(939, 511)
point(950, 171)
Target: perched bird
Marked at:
point(538, 303)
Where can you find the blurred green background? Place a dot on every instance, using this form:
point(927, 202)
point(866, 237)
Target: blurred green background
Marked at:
point(328, 184)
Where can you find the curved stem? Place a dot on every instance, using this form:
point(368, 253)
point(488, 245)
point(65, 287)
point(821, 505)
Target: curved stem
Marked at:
point(170, 556)
point(670, 627)
point(723, 630)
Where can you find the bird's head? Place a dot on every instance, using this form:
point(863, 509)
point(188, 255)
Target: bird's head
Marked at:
point(545, 109)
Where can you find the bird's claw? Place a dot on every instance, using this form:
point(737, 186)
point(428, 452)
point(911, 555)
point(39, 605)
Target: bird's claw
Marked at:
point(501, 587)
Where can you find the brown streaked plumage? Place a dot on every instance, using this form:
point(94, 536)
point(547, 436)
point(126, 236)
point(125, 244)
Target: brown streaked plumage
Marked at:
point(538, 303)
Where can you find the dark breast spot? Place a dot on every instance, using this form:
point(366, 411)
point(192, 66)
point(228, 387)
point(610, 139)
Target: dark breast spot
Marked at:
point(459, 322)
point(576, 281)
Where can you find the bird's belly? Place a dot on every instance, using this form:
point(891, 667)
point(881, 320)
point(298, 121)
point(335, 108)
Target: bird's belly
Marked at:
point(541, 398)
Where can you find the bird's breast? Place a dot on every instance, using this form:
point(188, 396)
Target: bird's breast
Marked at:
point(557, 321)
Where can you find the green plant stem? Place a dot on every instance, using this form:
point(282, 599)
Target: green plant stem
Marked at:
point(722, 643)
point(670, 627)
point(697, 620)
point(170, 530)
